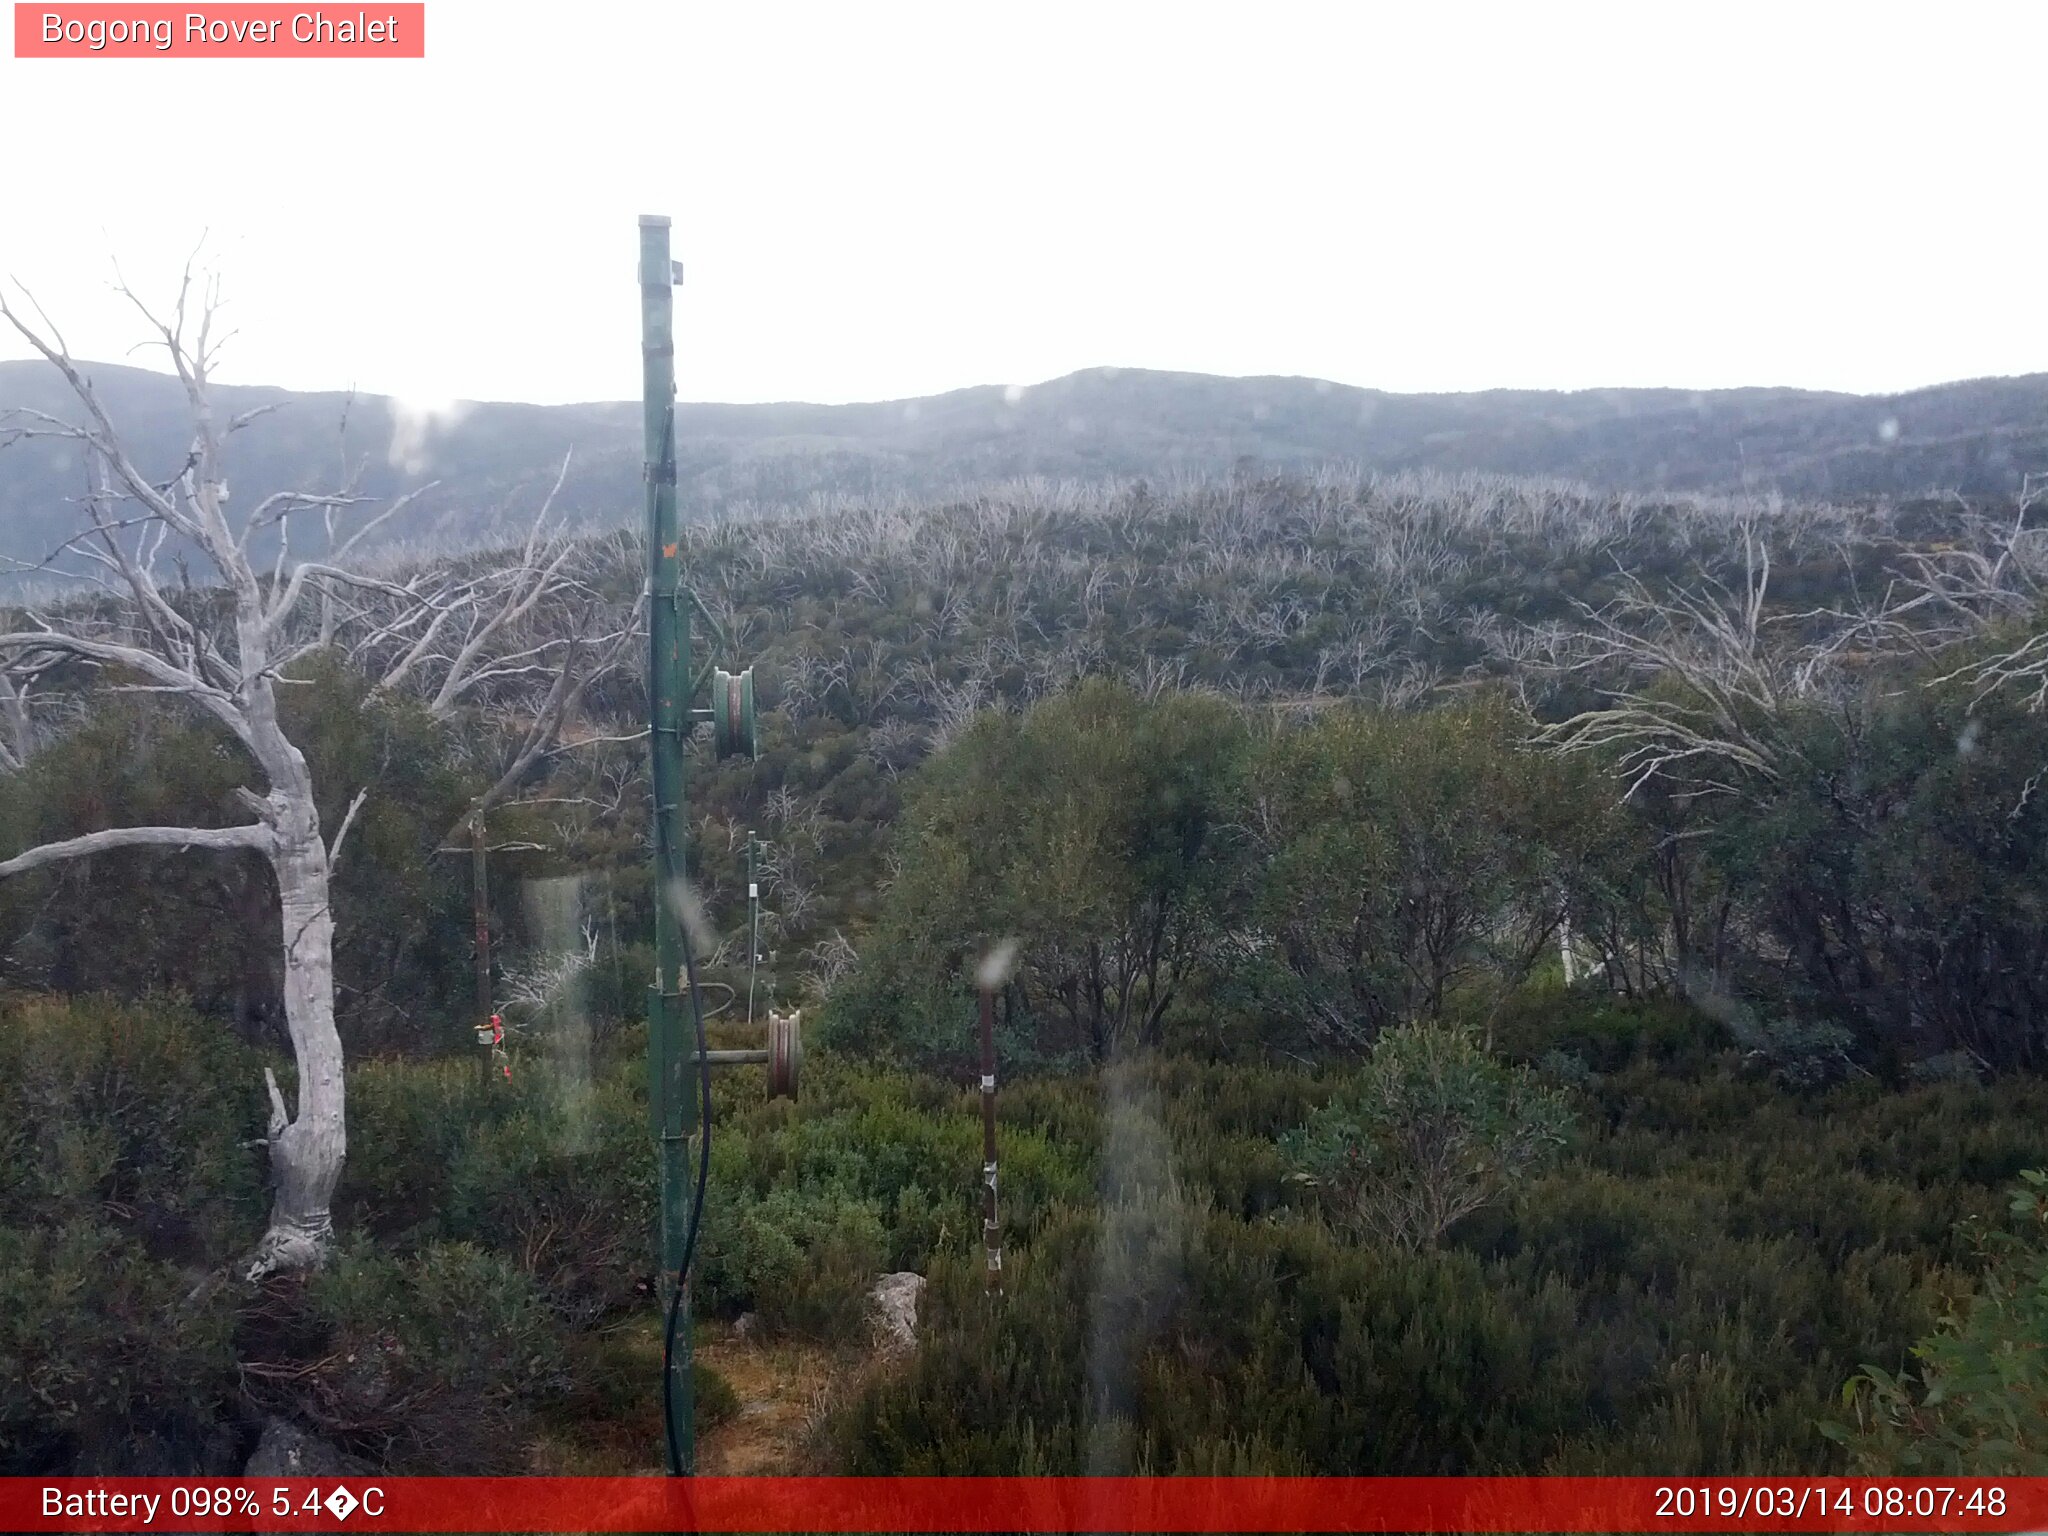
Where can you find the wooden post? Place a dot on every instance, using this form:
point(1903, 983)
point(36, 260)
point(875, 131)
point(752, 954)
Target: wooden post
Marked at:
point(480, 906)
point(753, 924)
point(991, 1234)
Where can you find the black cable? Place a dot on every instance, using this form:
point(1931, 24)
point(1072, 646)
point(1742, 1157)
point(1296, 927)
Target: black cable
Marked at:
point(667, 470)
point(675, 1300)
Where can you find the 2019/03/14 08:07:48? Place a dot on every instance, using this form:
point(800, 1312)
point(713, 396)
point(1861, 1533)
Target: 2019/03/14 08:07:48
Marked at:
point(1794, 1501)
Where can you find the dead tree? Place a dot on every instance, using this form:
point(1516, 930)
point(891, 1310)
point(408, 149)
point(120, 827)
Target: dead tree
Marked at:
point(516, 644)
point(224, 654)
point(1703, 687)
point(1697, 691)
point(17, 719)
point(1998, 589)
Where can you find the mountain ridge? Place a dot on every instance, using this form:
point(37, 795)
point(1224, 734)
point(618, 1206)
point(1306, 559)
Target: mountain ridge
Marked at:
point(496, 460)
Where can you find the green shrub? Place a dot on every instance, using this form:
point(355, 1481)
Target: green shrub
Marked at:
point(99, 1346)
point(1977, 1405)
point(1433, 1130)
point(1797, 1053)
point(408, 1124)
point(712, 1397)
point(1684, 1288)
point(1604, 1031)
point(803, 1260)
point(132, 1114)
point(909, 1145)
point(564, 1186)
point(433, 1364)
point(1408, 859)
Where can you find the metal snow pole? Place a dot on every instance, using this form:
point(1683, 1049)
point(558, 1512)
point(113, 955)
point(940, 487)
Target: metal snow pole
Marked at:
point(672, 1050)
point(669, 1050)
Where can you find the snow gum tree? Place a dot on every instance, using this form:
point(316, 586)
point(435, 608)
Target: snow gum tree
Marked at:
point(224, 647)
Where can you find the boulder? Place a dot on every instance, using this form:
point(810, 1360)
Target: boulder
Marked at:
point(285, 1450)
point(895, 1302)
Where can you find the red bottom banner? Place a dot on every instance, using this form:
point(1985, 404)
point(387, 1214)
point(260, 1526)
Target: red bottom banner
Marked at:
point(1023, 1504)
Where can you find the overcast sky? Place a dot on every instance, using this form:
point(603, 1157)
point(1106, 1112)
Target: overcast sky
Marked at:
point(880, 200)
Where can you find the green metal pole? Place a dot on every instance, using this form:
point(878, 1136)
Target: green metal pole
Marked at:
point(669, 1047)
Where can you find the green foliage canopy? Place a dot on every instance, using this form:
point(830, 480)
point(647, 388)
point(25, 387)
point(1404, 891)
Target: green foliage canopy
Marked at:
point(1432, 1130)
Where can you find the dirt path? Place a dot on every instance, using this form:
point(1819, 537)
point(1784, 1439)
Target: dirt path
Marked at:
point(780, 1388)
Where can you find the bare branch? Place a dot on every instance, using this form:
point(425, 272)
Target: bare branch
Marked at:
point(348, 820)
point(53, 351)
point(396, 507)
point(256, 838)
point(174, 679)
point(279, 1117)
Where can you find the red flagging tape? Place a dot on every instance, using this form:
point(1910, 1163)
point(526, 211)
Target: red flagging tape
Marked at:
point(1023, 1504)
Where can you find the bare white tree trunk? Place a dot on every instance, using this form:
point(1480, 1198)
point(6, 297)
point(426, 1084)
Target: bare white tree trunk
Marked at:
point(306, 1151)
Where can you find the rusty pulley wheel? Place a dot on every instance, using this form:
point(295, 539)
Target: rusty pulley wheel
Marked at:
point(785, 1054)
point(733, 727)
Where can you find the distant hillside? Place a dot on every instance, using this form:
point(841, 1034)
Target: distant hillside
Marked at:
point(494, 461)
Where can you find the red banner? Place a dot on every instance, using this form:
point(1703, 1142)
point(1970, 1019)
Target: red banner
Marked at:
point(999, 1504)
point(224, 31)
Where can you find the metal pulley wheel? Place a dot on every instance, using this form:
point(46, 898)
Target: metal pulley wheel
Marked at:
point(732, 713)
point(785, 1054)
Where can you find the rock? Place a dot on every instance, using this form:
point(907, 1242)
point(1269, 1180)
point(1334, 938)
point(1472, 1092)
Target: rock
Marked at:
point(895, 1300)
point(285, 1450)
